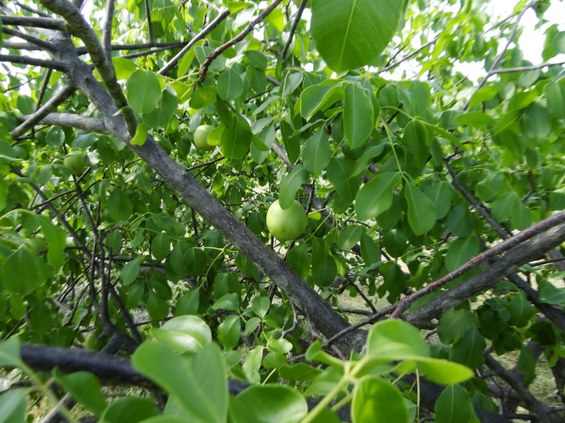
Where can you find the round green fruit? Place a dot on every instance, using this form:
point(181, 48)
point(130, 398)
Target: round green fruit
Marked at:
point(201, 137)
point(286, 224)
point(75, 162)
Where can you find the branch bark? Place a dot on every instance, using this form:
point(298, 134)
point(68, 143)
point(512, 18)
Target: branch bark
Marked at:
point(516, 256)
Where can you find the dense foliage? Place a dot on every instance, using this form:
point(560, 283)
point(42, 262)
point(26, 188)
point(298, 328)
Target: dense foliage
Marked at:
point(427, 284)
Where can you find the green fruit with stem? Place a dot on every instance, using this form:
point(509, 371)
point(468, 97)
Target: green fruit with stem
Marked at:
point(75, 162)
point(201, 137)
point(286, 224)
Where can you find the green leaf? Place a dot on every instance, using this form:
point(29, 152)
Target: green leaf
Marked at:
point(252, 364)
point(229, 301)
point(454, 405)
point(378, 401)
point(236, 139)
point(396, 340)
point(13, 406)
point(291, 82)
point(349, 236)
point(267, 404)
point(129, 409)
point(460, 251)
point(184, 333)
point(290, 184)
point(527, 365)
point(164, 112)
point(316, 153)
point(555, 95)
point(161, 246)
point(352, 33)
point(86, 390)
point(358, 115)
point(10, 353)
point(140, 134)
point(375, 197)
point(198, 383)
point(339, 172)
point(131, 269)
point(202, 97)
point(318, 98)
point(421, 210)
point(23, 271)
point(469, 349)
point(119, 206)
point(229, 85)
point(56, 238)
point(298, 259)
point(550, 294)
point(536, 123)
point(441, 195)
point(454, 324)
point(443, 371)
point(143, 91)
point(229, 331)
point(475, 119)
point(416, 140)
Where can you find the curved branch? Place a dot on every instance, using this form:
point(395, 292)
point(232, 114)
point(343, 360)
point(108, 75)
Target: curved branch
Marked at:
point(81, 29)
point(85, 123)
point(235, 40)
point(24, 60)
point(474, 262)
point(33, 40)
point(514, 257)
point(34, 22)
point(43, 111)
point(206, 30)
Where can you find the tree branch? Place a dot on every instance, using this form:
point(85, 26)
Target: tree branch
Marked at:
point(527, 68)
point(236, 39)
point(57, 99)
point(294, 26)
point(474, 262)
point(81, 29)
point(514, 257)
point(498, 59)
point(29, 38)
point(205, 31)
point(24, 60)
point(107, 32)
point(35, 22)
point(85, 123)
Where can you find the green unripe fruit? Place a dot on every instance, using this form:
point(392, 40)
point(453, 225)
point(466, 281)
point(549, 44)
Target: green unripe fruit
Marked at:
point(286, 224)
point(201, 137)
point(75, 162)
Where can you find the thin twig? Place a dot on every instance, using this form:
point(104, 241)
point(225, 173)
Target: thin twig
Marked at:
point(527, 68)
point(206, 65)
point(294, 26)
point(498, 59)
point(149, 23)
point(205, 31)
point(43, 111)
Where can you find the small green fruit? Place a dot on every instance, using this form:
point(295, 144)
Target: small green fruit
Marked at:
point(201, 137)
point(286, 224)
point(75, 162)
